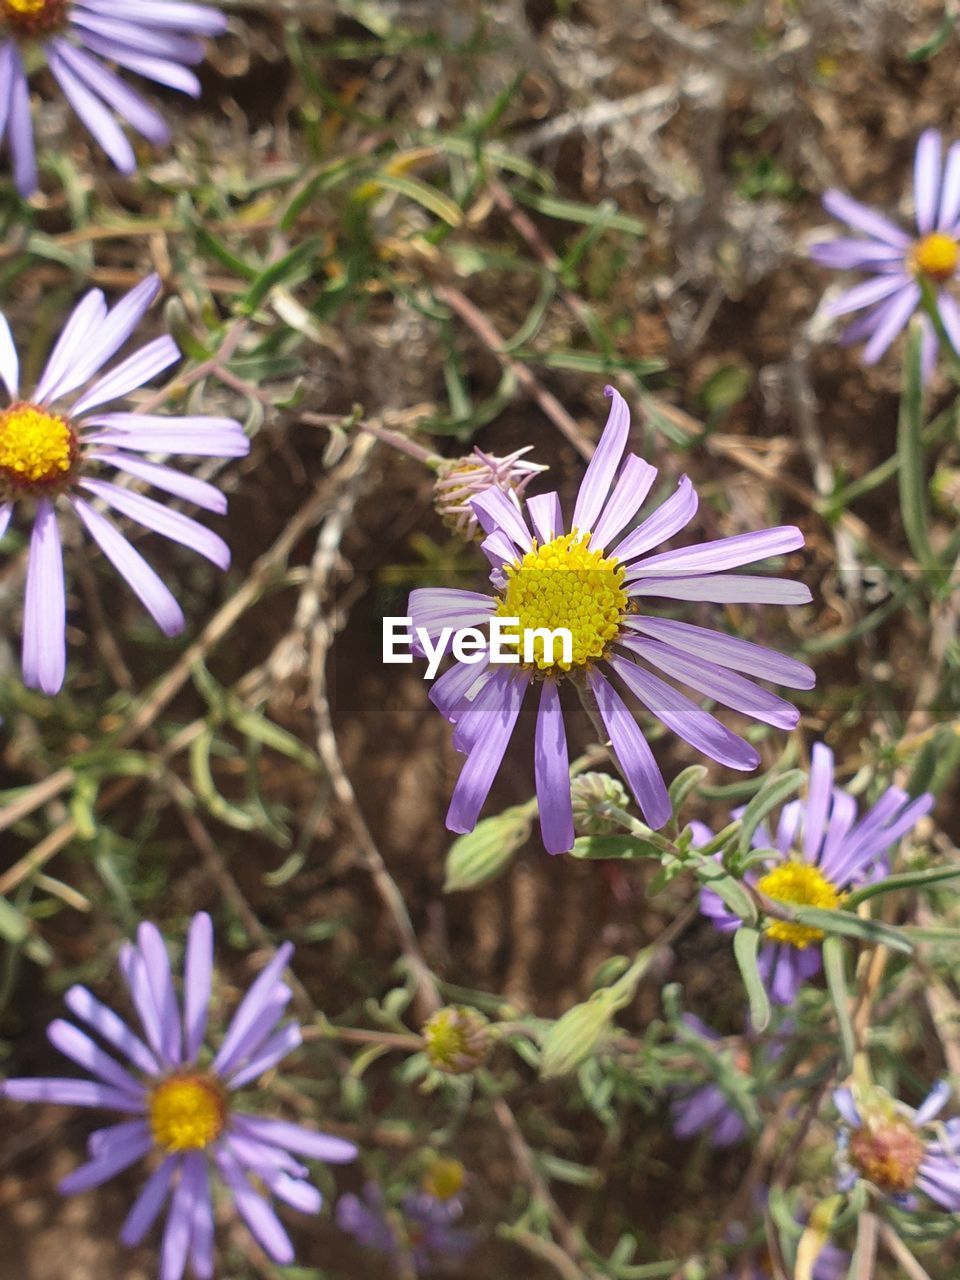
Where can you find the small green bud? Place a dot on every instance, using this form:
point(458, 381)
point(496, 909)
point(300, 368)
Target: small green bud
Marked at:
point(572, 1038)
point(457, 1039)
point(594, 795)
point(478, 857)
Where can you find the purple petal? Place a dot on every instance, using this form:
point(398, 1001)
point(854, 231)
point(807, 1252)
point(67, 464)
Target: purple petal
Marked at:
point(263, 1223)
point(724, 553)
point(149, 1203)
point(819, 789)
point(196, 18)
point(183, 486)
point(843, 1101)
point(201, 1217)
point(635, 482)
point(197, 973)
point(117, 39)
point(82, 1004)
point(130, 564)
point(552, 771)
point(79, 1048)
point(126, 102)
point(868, 293)
point(727, 588)
point(500, 551)
point(669, 518)
point(604, 464)
point(157, 968)
point(633, 754)
point(70, 1093)
point(433, 608)
point(44, 611)
point(92, 112)
point(950, 197)
point(727, 651)
point(685, 718)
point(275, 1049)
point(9, 360)
point(160, 70)
point(715, 682)
point(130, 374)
point(176, 1235)
point(134, 971)
point(926, 179)
point(477, 775)
point(496, 513)
point(546, 517)
point(220, 445)
point(8, 52)
point(934, 1103)
point(261, 993)
point(855, 214)
point(109, 334)
point(450, 690)
point(950, 315)
point(293, 1137)
point(898, 312)
point(21, 128)
point(849, 255)
point(70, 348)
point(169, 524)
point(843, 814)
point(107, 1166)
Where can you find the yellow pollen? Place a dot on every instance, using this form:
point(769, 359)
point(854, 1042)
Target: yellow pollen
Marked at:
point(444, 1179)
point(36, 447)
point(801, 885)
point(564, 584)
point(936, 256)
point(186, 1113)
point(29, 7)
point(34, 17)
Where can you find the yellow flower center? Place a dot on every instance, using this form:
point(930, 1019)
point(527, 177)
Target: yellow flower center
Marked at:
point(37, 448)
point(564, 584)
point(443, 1179)
point(32, 17)
point(935, 256)
point(801, 885)
point(186, 1112)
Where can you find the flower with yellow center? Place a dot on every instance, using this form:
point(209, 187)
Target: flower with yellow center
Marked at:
point(564, 584)
point(936, 257)
point(37, 449)
point(187, 1112)
point(799, 885)
point(34, 17)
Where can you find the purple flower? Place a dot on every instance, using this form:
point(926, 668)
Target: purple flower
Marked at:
point(707, 1109)
point(461, 479)
point(594, 581)
point(156, 39)
point(182, 1112)
point(416, 1236)
point(820, 851)
point(883, 1142)
point(53, 455)
point(898, 263)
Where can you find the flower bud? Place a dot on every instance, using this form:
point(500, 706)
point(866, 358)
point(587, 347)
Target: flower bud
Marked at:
point(572, 1038)
point(594, 795)
point(443, 1179)
point(478, 857)
point(457, 1039)
point(460, 479)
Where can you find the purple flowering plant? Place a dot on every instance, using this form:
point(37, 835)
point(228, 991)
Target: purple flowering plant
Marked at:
point(177, 1097)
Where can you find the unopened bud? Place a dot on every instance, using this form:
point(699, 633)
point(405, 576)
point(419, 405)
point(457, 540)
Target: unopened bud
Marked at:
point(460, 479)
point(478, 857)
point(457, 1039)
point(595, 796)
point(572, 1039)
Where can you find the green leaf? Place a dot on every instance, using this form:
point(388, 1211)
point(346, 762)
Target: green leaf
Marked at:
point(285, 271)
point(684, 783)
point(773, 793)
point(746, 945)
point(423, 194)
point(14, 926)
point(835, 970)
point(911, 479)
point(906, 880)
point(937, 41)
point(605, 214)
point(624, 847)
point(847, 925)
point(735, 896)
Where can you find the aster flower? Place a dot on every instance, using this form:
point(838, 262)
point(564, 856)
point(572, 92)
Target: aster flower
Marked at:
point(461, 479)
point(707, 1109)
point(182, 1106)
point(883, 1141)
point(594, 581)
point(56, 445)
point(819, 853)
point(155, 39)
point(899, 263)
point(417, 1235)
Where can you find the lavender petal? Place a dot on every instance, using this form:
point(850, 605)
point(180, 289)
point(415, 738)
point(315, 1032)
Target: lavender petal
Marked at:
point(44, 613)
point(633, 753)
point(483, 762)
point(552, 771)
point(634, 483)
point(669, 518)
point(926, 180)
point(9, 360)
point(183, 486)
point(603, 466)
point(855, 214)
point(169, 524)
point(130, 374)
point(92, 112)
